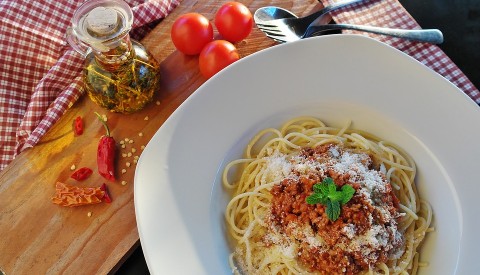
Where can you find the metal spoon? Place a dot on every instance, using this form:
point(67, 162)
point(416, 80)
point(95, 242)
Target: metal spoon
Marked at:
point(273, 18)
point(285, 34)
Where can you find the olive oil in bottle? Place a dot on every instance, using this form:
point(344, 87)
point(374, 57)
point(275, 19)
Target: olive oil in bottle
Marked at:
point(119, 74)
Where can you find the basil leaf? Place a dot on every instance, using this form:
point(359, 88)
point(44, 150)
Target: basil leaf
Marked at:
point(347, 191)
point(328, 180)
point(324, 189)
point(315, 198)
point(336, 196)
point(318, 188)
point(326, 193)
point(333, 210)
point(332, 188)
point(324, 200)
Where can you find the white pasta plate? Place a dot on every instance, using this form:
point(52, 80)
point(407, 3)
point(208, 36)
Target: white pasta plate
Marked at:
point(179, 199)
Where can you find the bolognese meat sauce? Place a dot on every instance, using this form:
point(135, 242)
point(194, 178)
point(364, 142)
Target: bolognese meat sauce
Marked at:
point(365, 233)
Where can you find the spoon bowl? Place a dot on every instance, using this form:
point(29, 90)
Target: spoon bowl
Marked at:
point(271, 13)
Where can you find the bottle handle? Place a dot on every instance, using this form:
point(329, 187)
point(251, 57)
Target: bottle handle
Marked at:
point(76, 43)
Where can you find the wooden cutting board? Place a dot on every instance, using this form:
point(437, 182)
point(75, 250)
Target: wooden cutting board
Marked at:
point(39, 237)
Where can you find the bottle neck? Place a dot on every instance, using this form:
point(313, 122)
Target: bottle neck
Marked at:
point(120, 54)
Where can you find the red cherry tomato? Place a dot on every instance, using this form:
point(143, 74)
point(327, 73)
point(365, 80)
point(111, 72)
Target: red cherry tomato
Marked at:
point(234, 21)
point(191, 32)
point(215, 56)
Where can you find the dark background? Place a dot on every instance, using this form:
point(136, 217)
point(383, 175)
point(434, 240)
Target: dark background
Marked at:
point(459, 20)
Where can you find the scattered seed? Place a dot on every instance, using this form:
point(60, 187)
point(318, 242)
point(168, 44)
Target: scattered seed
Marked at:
point(124, 182)
point(124, 155)
point(140, 134)
point(123, 146)
point(72, 167)
point(134, 150)
point(135, 157)
point(89, 214)
point(127, 164)
point(127, 139)
point(129, 154)
point(135, 161)
point(158, 102)
point(131, 141)
point(124, 171)
point(142, 147)
point(146, 118)
point(122, 142)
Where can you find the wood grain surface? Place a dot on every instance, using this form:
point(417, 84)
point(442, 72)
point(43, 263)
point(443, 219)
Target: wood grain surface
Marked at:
point(39, 237)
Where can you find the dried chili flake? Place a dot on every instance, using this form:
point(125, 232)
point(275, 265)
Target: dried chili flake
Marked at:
point(81, 174)
point(71, 196)
point(106, 197)
point(78, 126)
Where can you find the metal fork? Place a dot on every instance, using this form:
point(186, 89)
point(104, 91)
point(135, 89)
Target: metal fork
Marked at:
point(433, 36)
point(295, 27)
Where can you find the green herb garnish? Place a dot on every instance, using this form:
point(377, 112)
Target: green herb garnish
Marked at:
point(326, 193)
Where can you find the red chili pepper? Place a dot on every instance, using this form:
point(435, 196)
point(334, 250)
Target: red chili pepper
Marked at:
point(106, 197)
point(106, 154)
point(82, 173)
point(78, 126)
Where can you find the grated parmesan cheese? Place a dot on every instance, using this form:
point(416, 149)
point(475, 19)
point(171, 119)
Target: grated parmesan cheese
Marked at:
point(349, 231)
point(372, 183)
point(277, 168)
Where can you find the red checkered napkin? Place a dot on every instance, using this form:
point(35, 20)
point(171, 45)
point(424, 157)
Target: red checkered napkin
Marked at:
point(391, 14)
point(39, 72)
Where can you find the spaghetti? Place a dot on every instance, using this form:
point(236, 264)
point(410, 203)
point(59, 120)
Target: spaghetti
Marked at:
point(277, 232)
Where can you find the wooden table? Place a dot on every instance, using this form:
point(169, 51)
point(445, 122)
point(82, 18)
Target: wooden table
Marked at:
point(39, 237)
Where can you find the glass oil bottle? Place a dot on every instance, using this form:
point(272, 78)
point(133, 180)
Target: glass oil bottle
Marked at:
point(119, 74)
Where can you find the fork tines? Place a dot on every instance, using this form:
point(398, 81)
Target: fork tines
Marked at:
point(273, 32)
point(270, 28)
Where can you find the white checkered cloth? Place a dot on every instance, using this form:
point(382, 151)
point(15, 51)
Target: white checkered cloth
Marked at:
point(39, 73)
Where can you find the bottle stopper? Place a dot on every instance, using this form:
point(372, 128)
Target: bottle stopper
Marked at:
point(102, 20)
